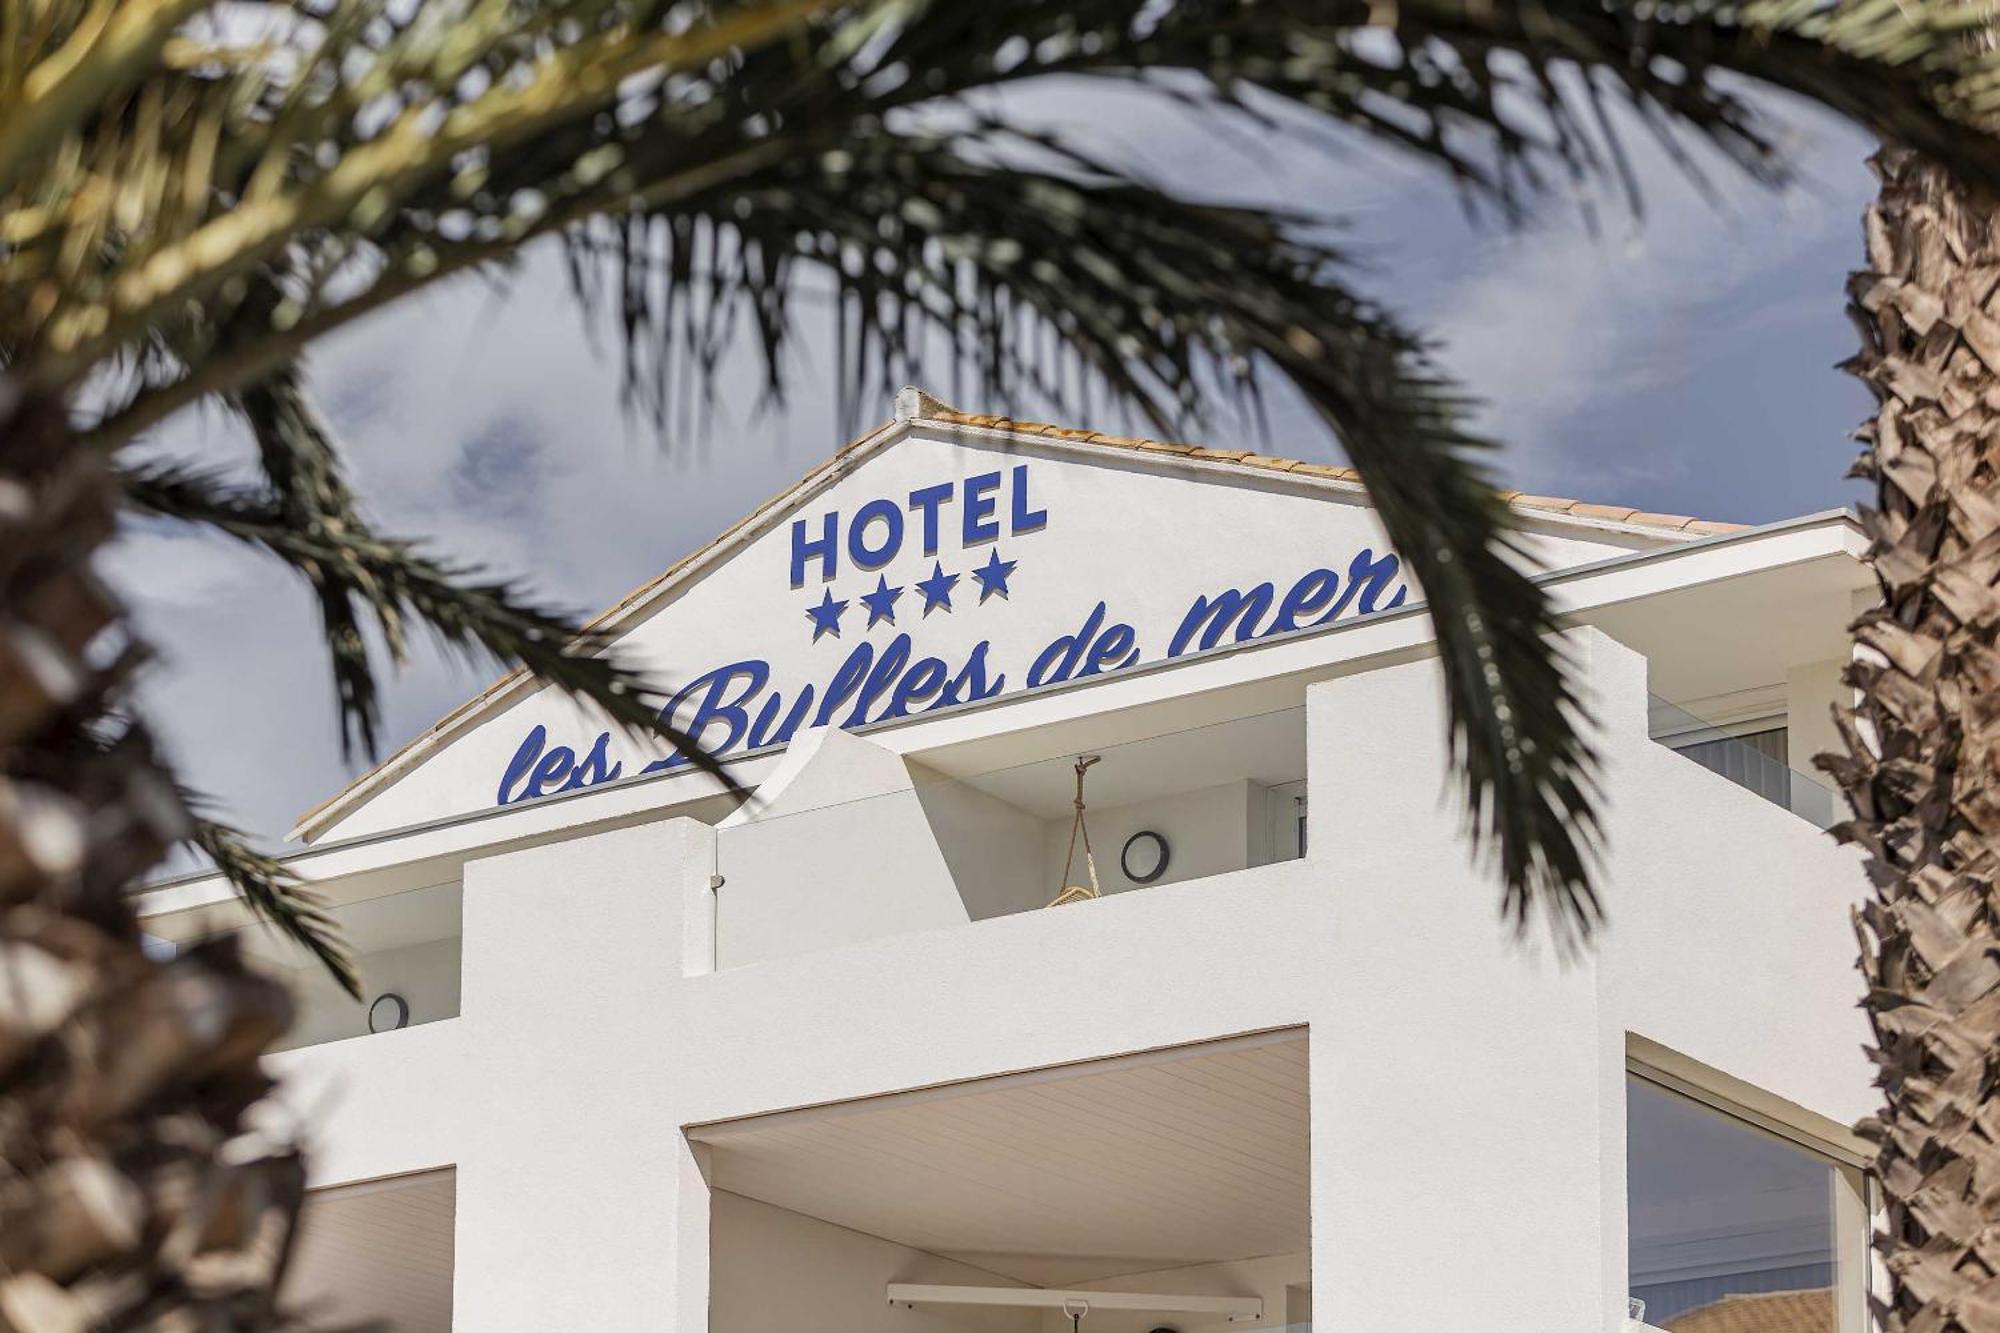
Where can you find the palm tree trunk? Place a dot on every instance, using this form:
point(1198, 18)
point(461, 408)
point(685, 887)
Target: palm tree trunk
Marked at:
point(127, 1198)
point(1922, 761)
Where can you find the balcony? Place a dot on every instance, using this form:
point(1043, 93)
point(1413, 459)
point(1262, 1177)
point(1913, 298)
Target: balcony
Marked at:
point(406, 949)
point(1159, 1188)
point(896, 844)
point(1755, 756)
point(377, 1254)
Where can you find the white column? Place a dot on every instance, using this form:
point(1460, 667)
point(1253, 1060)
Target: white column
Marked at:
point(1459, 1078)
point(1811, 691)
point(570, 1176)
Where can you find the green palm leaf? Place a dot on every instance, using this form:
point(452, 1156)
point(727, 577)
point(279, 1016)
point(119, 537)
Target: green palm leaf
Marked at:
point(1045, 279)
point(735, 150)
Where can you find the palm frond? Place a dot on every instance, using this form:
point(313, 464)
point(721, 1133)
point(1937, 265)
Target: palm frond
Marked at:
point(398, 585)
point(1505, 97)
point(1048, 280)
point(735, 149)
point(308, 495)
point(276, 895)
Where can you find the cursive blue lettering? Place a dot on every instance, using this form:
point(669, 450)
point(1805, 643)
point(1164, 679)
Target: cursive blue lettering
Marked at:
point(1214, 618)
point(1058, 661)
point(522, 764)
point(1313, 590)
point(596, 766)
point(970, 684)
point(713, 705)
point(1113, 651)
point(556, 766)
point(1372, 575)
point(922, 681)
point(887, 667)
point(846, 680)
point(732, 707)
point(760, 730)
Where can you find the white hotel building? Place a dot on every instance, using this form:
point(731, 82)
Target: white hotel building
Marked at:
point(650, 1059)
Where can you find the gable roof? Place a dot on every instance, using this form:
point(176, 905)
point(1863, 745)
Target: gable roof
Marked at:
point(915, 407)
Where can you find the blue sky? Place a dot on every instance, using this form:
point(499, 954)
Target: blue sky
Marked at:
point(1682, 362)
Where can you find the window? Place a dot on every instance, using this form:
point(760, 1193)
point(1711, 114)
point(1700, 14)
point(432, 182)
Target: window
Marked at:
point(1729, 1227)
point(1288, 821)
point(1757, 759)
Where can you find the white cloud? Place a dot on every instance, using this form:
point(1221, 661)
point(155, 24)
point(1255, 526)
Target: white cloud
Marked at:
point(1553, 324)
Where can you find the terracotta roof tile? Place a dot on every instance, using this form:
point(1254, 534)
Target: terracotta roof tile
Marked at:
point(1761, 1312)
point(1615, 513)
point(1675, 521)
point(1558, 503)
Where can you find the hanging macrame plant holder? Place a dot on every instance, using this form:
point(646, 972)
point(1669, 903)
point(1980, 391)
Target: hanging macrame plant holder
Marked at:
point(1076, 893)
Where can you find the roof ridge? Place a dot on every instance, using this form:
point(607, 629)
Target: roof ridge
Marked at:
point(1541, 504)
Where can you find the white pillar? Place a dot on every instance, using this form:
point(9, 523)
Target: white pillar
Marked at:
point(571, 1174)
point(1462, 1088)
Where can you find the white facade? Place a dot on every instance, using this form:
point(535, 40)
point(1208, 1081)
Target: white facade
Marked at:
point(679, 1063)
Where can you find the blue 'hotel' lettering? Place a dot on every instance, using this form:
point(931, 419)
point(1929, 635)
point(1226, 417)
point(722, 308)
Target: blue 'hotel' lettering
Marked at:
point(874, 535)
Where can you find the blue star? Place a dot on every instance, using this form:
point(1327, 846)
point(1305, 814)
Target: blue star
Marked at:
point(826, 616)
point(937, 588)
point(881, 603)
point(993, 574)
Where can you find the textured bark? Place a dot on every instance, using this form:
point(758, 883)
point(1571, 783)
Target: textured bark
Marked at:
point(130, 1197)
point(1923, 741)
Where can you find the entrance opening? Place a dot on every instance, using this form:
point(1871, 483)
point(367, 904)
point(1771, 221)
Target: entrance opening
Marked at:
point(376, 1254)
point(1729, 1227)
point(1171, 1179)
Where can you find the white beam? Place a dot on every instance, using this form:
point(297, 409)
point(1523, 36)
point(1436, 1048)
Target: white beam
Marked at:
point(1035, 1298)
point(721, 1131)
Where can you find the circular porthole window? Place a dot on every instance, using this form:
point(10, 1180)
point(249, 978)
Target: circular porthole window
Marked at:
point(1145, 856)
point(389, 1012)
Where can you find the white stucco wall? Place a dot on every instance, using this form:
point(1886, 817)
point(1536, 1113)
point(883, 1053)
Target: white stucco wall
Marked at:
point(1812, 690)
point(1460, 1081)
point(841, 849)
point(425, 975)
point(1210, 830)
point(1727, 943)
point(868, 925)
point(988, 846)
point(1467, 1093)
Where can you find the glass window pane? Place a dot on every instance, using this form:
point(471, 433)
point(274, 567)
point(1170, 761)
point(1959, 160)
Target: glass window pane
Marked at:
point(1757, 761)
point(1729, 1229)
